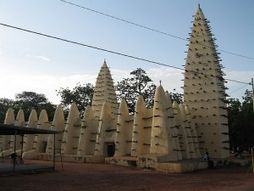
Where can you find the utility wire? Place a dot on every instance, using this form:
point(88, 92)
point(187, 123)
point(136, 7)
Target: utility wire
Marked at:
point(238, 89)
point(123, 20)
point(91, 46)
point(104, 49)
point(147, 28)
point(237, 81)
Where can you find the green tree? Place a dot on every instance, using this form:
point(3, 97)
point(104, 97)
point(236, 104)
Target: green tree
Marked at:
point(241, 123)
point(246, 120)
point(27, 101)
point(80, 94)
point(30, 100)
point(234, 108)
point(139, 83)
point(175, 96)
point(4, 105)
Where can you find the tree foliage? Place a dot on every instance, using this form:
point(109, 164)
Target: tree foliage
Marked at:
point(80, 94)
point(177, 97)
point(27, 101)
point(241, 123)
point(4, 105)
point(139, 83)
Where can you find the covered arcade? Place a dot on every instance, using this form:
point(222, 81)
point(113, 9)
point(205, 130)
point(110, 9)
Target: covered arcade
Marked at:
point(21, 131)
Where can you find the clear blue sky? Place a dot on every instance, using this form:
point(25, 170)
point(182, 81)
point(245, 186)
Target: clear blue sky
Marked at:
point(33, 63)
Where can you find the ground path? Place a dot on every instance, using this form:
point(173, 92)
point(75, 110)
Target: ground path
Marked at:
point(100, 177)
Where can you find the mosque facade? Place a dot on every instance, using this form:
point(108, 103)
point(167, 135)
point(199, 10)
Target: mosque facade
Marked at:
point(169, 136)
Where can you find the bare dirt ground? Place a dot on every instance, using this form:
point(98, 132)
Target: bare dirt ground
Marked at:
point(97, 177)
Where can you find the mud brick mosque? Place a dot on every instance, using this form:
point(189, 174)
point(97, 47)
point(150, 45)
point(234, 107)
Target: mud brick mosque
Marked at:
point(169, 137)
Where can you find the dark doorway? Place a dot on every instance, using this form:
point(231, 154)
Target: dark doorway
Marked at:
point(43, 147)
point(110, 149)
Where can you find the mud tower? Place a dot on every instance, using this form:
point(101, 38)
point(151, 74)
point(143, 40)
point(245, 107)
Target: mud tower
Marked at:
point(104, 91)
point(204, 90)
point(105, 108)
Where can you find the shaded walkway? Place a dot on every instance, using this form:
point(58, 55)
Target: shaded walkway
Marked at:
point(7, 168)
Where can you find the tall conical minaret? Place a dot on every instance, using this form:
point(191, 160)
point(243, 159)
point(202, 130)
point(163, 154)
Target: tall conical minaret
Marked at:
point(104, 91)
point(204, 90)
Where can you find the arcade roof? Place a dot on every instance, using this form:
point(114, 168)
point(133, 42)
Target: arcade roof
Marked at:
point(12, 130)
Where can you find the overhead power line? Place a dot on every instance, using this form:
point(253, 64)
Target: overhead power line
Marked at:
point(102, 49)
point(237, 81)
point(147, 28)
point(123, 20)
point(91, 46)
point(238, 89)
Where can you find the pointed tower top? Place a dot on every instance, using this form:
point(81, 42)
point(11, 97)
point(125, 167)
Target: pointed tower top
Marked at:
point(159, 95)
point(104, 91)
point(139, 102)
point(199, 12)
point(105, 63)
